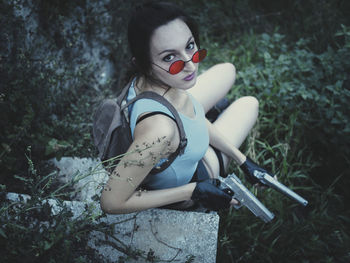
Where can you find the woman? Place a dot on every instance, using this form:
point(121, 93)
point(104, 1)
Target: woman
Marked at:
point(164, 44)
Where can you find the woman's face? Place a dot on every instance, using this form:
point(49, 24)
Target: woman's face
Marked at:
point(169, 43)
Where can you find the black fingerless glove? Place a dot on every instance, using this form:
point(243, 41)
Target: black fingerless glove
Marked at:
point(209, 194)
point(248, 167)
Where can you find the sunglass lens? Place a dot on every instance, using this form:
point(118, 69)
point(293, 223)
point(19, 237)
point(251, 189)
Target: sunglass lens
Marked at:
point(195, 57)
point(199, 55)
point(202, 54)
point(179, 65)
point(176, 67)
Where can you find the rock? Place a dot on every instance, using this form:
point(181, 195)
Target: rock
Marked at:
point(154, 234)
point(161, 234)
point(89, 171)
point(78, 39)
point(76, 207)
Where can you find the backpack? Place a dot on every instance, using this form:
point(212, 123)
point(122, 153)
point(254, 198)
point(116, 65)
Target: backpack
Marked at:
point(112, 133)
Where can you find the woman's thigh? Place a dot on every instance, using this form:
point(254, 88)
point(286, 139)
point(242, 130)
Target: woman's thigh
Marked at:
point(213, 84)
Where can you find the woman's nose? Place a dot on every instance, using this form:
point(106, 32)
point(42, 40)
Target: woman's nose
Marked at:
point(189, 65)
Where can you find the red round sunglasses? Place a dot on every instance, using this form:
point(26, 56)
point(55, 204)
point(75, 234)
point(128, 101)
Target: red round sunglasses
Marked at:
point(178, 65)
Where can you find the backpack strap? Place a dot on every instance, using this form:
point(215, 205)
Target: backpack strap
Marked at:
point(183, 140)
point(150, 114)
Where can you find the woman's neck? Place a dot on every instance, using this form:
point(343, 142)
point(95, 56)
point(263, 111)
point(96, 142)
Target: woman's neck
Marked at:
point(177, 97)
point(142, 84)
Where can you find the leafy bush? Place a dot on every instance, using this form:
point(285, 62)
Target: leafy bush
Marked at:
point(315, 234)
point(316, 20)
point(296, 86)
point(301, 135)
point(30, 228)
point(286, 55)
point(42, 227)
point(45, 101)
point(303, 96)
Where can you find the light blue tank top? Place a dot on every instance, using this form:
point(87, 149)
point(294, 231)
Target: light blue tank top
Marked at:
point(180, 172)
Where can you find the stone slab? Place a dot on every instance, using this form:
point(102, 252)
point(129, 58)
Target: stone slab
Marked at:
point(167, 235)
point(90, 172)
point(161, 234)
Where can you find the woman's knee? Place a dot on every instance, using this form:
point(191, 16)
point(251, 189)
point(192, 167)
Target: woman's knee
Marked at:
point(231, 69)
point(214, 84)
point(228, 72)
point(224, 74)
point(249, 103)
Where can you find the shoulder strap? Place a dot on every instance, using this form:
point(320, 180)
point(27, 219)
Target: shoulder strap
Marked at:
point(124, 92)
point(183, 140)
point(152, 114)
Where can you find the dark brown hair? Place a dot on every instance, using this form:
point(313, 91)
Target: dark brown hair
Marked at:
point(143, 22)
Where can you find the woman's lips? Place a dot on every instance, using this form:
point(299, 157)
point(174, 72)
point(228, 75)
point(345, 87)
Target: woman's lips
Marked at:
point(190, 77)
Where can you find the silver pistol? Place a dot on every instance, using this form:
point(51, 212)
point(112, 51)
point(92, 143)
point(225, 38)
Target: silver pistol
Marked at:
point(245, 197)
point(268, 180)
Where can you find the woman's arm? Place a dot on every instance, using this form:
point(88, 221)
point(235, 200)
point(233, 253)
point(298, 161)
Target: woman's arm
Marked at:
point(154, 138)
point(146, 199)
point(218, 140)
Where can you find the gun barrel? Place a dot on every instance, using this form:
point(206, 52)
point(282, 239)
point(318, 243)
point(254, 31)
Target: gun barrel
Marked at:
point(273, 183)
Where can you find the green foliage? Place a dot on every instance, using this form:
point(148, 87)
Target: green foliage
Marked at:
point(316, 20)
point(302, 135)
point(41, 227)
point(292, 55)
point(302, 95)
point(40, 101)
point(34, 113)
point(305, 95)
point(315, 234)
point(31, 229)
point(48, 90)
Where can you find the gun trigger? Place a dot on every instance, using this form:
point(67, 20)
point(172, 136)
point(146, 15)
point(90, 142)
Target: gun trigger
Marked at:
point(228, 191)
point(240, 203)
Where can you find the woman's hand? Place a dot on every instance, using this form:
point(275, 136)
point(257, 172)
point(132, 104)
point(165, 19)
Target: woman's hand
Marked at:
point(209, 194)
point(249, 167)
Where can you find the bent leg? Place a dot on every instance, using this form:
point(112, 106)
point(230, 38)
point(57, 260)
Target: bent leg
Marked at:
point(238, 119)
point(213, 84)
point(235, 124)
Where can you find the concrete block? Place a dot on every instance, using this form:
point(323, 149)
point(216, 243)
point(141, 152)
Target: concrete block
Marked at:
point(90, 172)
point(158, 234)
point(162, 234)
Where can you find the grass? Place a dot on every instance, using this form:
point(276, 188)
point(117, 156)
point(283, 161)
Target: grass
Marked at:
point(317, 233)
point(300, 77)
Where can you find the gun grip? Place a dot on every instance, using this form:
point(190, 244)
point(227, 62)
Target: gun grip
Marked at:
point(231, 193)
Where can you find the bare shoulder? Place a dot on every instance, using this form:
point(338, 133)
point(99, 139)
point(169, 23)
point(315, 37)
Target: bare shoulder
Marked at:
point(158, 128)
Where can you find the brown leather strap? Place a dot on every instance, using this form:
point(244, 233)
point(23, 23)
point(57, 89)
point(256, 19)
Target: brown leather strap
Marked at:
point(221, 162)
point(183, 140)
